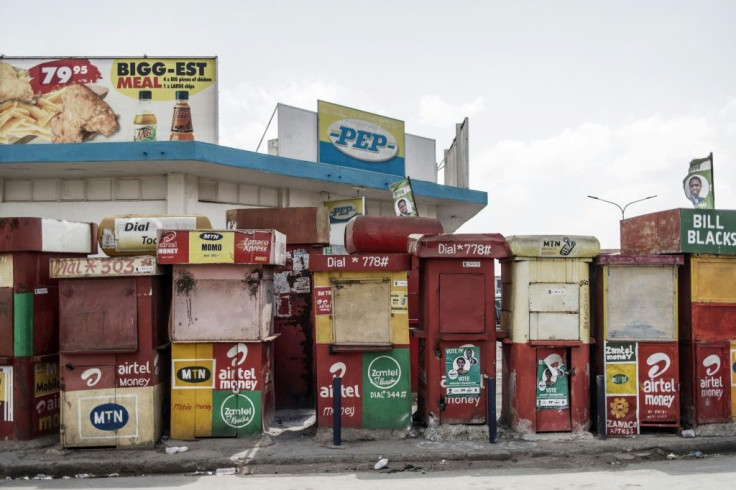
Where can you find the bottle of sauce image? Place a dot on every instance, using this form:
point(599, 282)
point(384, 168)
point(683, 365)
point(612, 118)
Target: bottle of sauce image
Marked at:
point(181, 123)
point(144, 123)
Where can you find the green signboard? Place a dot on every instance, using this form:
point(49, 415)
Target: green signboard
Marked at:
point(236, 414)
point(711, 231)
point(386, 390)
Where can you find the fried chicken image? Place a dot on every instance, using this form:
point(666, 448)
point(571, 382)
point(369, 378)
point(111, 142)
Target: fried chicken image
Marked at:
point(84, 115)
point(14, 84)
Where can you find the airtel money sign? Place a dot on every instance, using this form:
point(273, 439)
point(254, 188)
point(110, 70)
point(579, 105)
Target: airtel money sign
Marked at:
point(358, 139)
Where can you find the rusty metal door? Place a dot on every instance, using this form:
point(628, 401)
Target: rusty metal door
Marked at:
point(553, 390)
point(462, 303)
point(98, 315)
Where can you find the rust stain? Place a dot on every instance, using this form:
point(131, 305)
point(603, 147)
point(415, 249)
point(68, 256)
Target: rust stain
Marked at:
point(252, 282)
point(185, 283)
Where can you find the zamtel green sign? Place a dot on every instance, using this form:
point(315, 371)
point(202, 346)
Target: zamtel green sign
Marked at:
point(236, 414)
point(711, 231)
point(386, 390)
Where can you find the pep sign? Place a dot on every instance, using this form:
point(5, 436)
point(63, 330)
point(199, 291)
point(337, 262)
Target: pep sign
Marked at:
point(363, 140)
point(358, 139)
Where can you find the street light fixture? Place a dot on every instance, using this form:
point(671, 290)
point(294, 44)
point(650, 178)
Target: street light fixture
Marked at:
point(623, 209)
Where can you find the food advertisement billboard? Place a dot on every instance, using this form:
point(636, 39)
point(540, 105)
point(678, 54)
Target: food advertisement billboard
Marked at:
point(102, 100)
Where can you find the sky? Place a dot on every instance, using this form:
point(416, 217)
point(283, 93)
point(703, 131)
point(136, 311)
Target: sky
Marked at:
point(565, 99)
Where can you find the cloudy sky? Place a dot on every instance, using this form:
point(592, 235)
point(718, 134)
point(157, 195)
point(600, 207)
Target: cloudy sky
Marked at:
point(566, 99)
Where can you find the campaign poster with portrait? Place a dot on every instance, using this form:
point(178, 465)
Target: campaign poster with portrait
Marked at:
point(552, 389)
point(404, 204)
point(462, 370)
point(698, 184)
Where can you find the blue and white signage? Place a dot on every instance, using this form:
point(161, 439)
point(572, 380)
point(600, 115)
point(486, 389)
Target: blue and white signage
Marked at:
point(359, 139)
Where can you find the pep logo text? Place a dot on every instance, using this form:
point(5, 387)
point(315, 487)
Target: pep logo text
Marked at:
point(363, 140)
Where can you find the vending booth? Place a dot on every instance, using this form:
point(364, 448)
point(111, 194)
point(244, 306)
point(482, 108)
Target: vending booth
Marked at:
point(113, 313)
point(545, 315)
point(636, 351)
point(457, 325)
point(707, 302)
point(361, 321)
point(362, 336)
point(307, 231)
point(221, 330)
point(390, 234)
point(29, 320)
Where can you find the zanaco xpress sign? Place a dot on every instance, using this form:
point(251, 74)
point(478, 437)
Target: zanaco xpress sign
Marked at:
point(87, 100)
point(358, 139)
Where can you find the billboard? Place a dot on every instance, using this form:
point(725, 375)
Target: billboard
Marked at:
point(358, 139)
point(102, 100)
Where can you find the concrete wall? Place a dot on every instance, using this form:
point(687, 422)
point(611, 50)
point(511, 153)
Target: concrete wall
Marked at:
point(90, 200)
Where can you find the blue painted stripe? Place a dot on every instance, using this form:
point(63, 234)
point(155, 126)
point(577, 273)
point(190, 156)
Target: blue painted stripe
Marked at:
point(329, 154)
point(231, 157)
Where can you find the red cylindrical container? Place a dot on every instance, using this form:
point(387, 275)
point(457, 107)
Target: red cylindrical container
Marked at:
point(387, 233)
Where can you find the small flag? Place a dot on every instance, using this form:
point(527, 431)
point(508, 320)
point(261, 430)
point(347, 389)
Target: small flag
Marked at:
point(698, 185)
point(403, 198)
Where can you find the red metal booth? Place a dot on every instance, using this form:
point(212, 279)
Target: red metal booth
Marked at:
point(457, 325)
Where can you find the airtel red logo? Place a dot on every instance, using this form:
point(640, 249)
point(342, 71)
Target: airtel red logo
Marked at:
point(168, 237)
point(658, 363)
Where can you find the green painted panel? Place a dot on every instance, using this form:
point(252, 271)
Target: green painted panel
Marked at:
point(386, 390)
point(23, 324)
point(710, 231)
point(236, 414)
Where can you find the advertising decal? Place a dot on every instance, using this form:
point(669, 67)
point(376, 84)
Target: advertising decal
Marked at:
point(358, 139)
point(622, 410)
point(658, 382)
point(375, 389)
point(102, 100)
point(340, 212)
point(218, 387)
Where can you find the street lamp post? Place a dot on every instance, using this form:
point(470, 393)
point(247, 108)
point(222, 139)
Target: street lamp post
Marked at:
point(623, 209)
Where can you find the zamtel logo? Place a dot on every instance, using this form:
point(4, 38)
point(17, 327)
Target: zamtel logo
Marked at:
point(659, 362)
point(210, 236)
point(712, 364)
point(194, 374)
point(363, 140)
point(109, 416)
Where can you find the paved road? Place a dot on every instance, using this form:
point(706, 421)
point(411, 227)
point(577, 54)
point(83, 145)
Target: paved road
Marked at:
point(717, 471)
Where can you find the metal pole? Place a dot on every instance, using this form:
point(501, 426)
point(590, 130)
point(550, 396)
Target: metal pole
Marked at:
point(492, 423)
point(600, 386)
point(623, 209)
point(336, 410)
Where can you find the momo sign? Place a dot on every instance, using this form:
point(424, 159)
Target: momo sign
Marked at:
point(359, 139)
